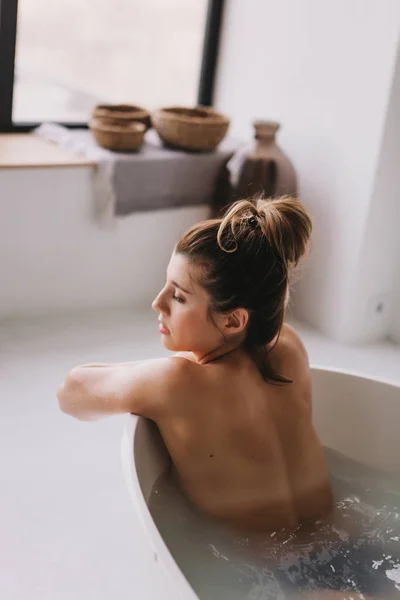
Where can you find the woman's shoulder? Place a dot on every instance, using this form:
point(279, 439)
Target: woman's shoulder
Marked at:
point(289, 355)
point(291, 339)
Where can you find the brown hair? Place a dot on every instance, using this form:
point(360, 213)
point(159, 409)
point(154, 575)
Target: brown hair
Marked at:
point(247, 259)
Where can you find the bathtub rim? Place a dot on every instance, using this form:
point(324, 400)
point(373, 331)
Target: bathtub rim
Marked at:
point(354, 373)
point(162, 555)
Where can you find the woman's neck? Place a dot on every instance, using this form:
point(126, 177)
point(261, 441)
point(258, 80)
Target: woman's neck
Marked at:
point(217, 353)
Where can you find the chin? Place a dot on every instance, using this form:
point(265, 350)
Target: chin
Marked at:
point(174, 346)
point(169, 345)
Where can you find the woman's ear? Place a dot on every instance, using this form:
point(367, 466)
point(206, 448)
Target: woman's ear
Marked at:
point(236, 321)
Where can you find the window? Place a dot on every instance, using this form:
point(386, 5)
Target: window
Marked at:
point(59, 59)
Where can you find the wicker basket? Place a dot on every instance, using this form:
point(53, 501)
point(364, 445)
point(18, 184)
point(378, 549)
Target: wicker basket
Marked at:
point(126, 138)
point(121, 114)
point(198, 129)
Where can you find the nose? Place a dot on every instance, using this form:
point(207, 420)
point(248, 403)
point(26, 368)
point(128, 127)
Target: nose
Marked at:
point(154, 304)
point(159, 304)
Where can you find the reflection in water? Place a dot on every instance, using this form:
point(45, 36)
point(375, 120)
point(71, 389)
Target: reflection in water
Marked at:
point(356, 552)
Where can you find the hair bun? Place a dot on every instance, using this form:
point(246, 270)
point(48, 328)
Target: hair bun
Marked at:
point(240, 216)
point(283, 221)
point(287, 226)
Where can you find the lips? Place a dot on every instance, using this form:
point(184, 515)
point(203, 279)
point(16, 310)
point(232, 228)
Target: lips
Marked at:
point(162, 329)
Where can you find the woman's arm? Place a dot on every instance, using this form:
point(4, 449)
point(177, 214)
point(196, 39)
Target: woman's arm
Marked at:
point(145, 388)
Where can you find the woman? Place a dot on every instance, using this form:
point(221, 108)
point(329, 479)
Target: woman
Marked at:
point(233, 404)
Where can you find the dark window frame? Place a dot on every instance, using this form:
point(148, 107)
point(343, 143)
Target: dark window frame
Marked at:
point(8, 35)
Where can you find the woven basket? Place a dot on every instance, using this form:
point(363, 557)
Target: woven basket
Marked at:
point(198, 129)
point(121, 114)
point(126, 138)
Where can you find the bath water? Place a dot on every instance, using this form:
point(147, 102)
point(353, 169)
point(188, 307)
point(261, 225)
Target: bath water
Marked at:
point(355, 553)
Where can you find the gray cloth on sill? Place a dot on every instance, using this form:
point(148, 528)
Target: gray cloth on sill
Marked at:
point(154, 178)
point(161, 177)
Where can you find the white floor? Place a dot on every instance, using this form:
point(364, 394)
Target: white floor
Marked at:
point(66, 524)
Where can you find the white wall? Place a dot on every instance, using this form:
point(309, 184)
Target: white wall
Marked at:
point(374, 304)
point(394, 332)
point(54, 257)
point(324, 69)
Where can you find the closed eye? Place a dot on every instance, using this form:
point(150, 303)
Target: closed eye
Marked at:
point(178, 299)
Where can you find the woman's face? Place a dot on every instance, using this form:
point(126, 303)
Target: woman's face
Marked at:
point(183, 307)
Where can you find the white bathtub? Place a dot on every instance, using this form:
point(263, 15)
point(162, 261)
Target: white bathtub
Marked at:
point(354, 415)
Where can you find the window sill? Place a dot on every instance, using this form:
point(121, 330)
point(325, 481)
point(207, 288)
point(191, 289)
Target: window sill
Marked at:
point(29, 151)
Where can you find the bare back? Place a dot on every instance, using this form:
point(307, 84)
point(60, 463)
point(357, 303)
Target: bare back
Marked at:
point(244, 449)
